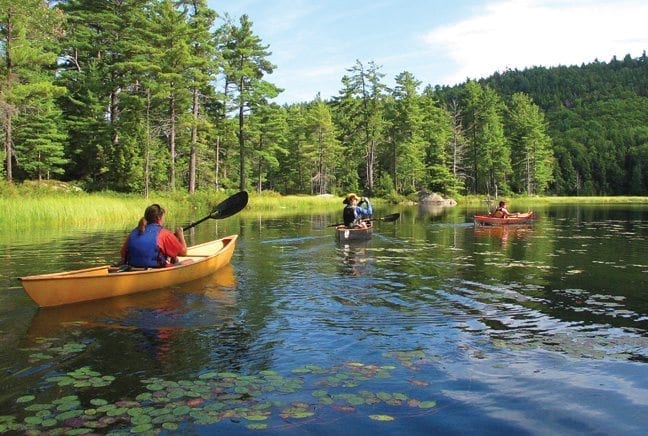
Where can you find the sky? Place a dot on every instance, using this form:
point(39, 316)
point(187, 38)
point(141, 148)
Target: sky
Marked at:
point(441, 42)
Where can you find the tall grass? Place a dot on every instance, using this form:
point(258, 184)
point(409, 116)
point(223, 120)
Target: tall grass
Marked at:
point(70, 210)
point(36, 205)
point(277, 205)
point(35, 208)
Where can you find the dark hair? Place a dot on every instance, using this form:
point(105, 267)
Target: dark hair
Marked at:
point(152, 214)
point(502, 203)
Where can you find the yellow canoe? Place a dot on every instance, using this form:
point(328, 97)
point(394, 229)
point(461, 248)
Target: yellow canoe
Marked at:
point(104, 282)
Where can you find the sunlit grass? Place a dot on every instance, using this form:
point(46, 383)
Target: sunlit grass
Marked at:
point(275, 205)
point(70, 210)
point(37, 205)
point(113, 210)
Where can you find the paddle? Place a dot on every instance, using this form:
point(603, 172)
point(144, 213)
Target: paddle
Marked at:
point(387, 219)
point(226, 208)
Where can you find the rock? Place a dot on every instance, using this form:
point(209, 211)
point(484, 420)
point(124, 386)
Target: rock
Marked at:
point(436, 199)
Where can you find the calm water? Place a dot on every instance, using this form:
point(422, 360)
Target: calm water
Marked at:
point(433, 326)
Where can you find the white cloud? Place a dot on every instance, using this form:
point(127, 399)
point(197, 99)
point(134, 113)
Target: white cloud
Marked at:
point(519, 34)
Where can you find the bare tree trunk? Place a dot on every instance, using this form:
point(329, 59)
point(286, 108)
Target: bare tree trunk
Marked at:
point(8, 142)
point(147, 155)
point(241, 138)
point(194, 144)
point(172, 144)
point(217, 163)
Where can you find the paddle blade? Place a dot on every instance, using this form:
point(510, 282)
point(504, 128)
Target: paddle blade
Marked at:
point(390, 218)
point(230, 206)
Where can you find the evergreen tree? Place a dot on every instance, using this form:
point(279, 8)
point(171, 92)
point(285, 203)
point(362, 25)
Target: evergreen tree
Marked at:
point(292, 176)
point(489, 155)
point(366, 122)
point(494, 150)
point(104, 52)
point(406, 135)
point(28, 30)
point(346, 111)
point(39, 140)
point(327, 150)
point(201, 70)
point(267, 131)
point(245, 64)
point(443, 145)
point(530, 146)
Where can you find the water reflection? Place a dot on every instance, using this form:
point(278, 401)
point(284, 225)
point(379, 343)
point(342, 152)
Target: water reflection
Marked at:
point(430, 324)
point(504, 233)
point(355, 258)
point(159, 309)
point(430, 210)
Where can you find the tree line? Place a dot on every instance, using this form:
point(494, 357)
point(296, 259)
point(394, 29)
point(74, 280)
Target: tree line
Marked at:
point(152, 95)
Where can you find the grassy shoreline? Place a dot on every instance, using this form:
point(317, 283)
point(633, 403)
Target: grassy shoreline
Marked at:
point(25, 207)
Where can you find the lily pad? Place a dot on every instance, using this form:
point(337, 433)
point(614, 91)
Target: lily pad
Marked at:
point(25, 399)
point(381, 417)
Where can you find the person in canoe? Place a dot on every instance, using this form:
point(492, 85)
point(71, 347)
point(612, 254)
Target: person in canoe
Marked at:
point(150, 245)
point(502, 211)
point(353, 214)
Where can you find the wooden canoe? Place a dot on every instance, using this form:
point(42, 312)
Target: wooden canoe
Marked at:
point(521, 218)
point(345, 234)
point(101, 282)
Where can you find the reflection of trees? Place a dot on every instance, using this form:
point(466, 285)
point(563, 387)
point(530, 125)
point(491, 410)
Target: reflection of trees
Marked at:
point(430, 210)
point(168, 331)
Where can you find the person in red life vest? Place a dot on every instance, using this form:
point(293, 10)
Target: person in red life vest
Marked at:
point(150, 245)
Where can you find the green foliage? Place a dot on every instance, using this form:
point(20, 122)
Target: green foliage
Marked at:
point(385, 187)
point(146, 96)
point(596, 116)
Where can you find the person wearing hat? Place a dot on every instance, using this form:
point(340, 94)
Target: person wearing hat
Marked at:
point(353, 213)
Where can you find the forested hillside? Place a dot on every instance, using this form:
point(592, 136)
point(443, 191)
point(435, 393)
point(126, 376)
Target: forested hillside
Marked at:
point(168, 95)
point(598, 121)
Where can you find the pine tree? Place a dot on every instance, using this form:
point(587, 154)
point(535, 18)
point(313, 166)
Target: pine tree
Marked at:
point(442, 145)
point(267, 130)
point(366, 122)
point(105, 55)
point(530, 146)
point(245, 64)
point(28, 31)
point(406, 135)
point(327, 149)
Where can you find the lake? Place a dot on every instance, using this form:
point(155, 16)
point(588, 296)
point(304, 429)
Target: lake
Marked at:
point(433, 326)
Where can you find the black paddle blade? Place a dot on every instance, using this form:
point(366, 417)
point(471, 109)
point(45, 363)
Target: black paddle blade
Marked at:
point(230, 206)
point(390, 218)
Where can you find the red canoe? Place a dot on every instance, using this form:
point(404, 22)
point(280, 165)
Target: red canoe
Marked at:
point(520, 218)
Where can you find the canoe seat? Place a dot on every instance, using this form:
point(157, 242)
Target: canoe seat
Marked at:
point(205, 249)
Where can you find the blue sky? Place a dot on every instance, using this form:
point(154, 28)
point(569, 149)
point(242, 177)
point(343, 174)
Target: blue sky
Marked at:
point(441, 42)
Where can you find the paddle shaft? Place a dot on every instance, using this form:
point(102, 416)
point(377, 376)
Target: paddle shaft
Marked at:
point(194, 224)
